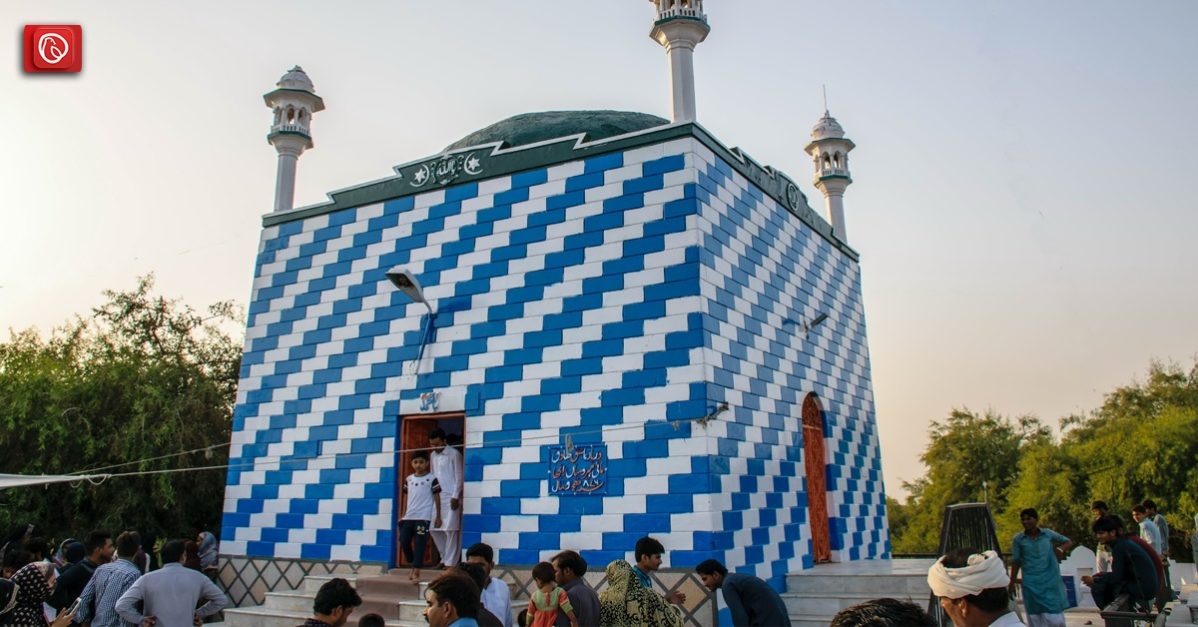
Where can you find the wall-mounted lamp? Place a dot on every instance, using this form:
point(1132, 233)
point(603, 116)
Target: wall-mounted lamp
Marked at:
point(406, 282)
point(807, 326)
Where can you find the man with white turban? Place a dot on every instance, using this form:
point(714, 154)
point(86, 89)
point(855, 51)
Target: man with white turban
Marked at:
point(972, 588)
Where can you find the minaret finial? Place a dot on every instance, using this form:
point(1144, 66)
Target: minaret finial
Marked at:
point(293, 104)
point(829, 148)
point(680, 26)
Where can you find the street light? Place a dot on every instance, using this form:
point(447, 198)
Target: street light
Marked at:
point(806, 326)
point(406, 282)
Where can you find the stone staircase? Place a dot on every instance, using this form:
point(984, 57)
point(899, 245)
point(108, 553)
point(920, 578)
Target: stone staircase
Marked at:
point(815, 595)
point(391, 595)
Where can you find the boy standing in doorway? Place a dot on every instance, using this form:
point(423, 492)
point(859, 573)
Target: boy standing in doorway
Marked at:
point(422, 513)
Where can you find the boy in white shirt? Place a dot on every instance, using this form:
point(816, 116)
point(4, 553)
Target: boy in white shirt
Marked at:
point(423, 509)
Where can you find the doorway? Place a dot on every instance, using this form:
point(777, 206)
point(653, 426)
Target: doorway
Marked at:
point(413, 436)
point(817, 489)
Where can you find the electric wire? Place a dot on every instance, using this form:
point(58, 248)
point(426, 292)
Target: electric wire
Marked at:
point(256, 462)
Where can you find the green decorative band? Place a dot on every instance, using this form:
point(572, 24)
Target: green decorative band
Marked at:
point(680, 17)
point(490, 160)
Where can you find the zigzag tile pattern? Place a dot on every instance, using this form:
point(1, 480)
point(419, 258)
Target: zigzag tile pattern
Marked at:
point(617, 299)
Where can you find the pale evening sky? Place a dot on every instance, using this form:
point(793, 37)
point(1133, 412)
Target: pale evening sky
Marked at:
point(1024, 198)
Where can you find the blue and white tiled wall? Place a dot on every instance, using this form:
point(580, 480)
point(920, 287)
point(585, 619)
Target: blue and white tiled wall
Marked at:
point(765, 275)
point(615, 299)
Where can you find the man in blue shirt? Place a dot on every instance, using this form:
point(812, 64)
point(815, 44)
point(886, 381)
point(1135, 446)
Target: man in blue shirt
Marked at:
point(107, 585)
point(1038, 553)
point(453, 601)
point(752, 602)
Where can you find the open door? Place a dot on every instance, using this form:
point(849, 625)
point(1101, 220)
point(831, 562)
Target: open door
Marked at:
point(817, 489)
point(413, 436)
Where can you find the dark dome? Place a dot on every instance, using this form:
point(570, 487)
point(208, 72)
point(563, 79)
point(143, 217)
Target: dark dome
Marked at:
point(530, 128)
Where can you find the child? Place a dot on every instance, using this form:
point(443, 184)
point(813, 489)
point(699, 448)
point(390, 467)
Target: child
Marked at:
point(372, 620)
point(423, 503)
point(548, 599)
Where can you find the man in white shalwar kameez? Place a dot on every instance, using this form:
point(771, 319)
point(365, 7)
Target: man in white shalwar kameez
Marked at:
point(447, 468)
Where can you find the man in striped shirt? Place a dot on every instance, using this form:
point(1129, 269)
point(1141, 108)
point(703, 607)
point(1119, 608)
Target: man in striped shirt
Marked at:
point(110, 581)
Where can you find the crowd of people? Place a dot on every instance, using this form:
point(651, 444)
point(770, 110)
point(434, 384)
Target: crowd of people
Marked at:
point(127, 582)
point(102, 582)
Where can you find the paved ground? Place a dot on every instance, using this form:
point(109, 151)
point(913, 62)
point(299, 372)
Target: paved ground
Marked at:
point(1077, 617)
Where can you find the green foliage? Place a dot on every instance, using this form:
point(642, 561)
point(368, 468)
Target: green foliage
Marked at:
point(1139, 444)
point(970, 457)
point(144, 377)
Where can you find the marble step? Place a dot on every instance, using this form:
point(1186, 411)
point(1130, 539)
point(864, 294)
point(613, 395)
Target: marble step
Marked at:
point(262, 616)
point(821, 604)
point(877, 585)
point(394, 598)
point(312, 583)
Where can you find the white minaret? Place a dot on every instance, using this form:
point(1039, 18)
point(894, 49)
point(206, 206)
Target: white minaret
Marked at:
point(293, 104)
point(680, 26)
point(829, 148)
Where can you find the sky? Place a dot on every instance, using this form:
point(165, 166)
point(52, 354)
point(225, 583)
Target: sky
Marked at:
point(1023, 197)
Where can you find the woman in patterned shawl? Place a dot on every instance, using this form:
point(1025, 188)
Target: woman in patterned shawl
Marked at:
point(34, 583)
point(626, 603)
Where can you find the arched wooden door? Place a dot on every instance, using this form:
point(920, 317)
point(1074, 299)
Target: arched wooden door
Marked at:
point(817, 489)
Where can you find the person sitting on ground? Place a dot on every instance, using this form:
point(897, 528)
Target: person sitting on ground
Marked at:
point(568, 570)
point(334, 602)
point(883, 613)
point(648, 554)
point(496, 595)
point(972, 588)
point(750, 600)
point(452, 601)
point(548, 599)
point(1132, 570)
point(478, 575)
point(372, 620)
point(626, 602)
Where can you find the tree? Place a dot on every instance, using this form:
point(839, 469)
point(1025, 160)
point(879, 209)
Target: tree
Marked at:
point(1139, 444)
point(144, 377)
point(969, 457)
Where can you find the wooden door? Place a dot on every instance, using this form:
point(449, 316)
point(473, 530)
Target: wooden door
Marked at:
point(413, 436)
point(817, 490)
